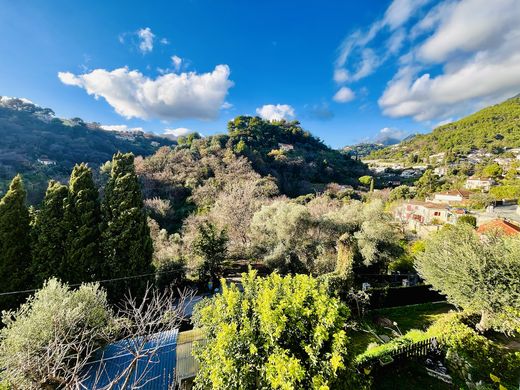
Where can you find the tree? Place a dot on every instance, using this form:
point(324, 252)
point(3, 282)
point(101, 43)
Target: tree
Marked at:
point(46, 342)
point(279, 333)
point(211, 246)
point(492, 170)
point(127, 245)
point(479, 275)
point(15, 247)
point(469, 219)
point(427, 183)
point(83, 259)
point(365, 180)
point(50, 234)
point(401, 192)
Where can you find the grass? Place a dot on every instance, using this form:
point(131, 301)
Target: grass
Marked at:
point(407, 318)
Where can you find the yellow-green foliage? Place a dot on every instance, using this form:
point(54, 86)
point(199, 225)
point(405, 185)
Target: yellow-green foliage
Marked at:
point(279, 333)
point(493, 127)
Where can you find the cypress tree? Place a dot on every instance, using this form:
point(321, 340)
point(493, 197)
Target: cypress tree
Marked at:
point(15, 246)
point(126, 237)
point(50, 234)
point(83, 260)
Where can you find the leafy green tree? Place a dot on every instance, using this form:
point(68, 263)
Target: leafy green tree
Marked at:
point(50, 234)
point(211, 246)
point(492, 170)
point(401, 192)
point(365, 180)
point(127, 244)
point(469, 219)
point(427, 183)
point(43, 342)
point(83, 259)
point(279, 333)
point(479, 275)
point(15, 245)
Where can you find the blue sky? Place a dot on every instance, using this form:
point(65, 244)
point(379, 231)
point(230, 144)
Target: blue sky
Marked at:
point(349, 71)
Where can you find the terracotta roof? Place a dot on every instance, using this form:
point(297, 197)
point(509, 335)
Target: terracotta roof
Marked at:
point(508, 228)
point(465, 194)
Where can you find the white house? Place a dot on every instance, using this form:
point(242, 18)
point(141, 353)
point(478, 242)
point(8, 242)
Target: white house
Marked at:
point(46, 161)
point(285, 147)
point(452, 196)
point(426, 213)
point(479, 183)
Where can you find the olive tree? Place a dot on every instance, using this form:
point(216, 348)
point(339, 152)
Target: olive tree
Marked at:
point(278, 333)
point(479, 275)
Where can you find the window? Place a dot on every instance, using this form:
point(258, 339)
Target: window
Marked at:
point(437, 213)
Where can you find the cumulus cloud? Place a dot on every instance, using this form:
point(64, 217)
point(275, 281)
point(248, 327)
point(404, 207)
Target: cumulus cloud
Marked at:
point(178, 132)
point(146, 38)
point(276, 112)
point(344, 95)
point(121, 128)
point(389, 136)
point(479, 55)
point(168, 97)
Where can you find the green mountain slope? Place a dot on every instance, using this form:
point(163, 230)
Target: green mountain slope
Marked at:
point(492, 129)
point(41, 146)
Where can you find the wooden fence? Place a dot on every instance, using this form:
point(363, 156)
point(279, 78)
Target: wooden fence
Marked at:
point(406, 352)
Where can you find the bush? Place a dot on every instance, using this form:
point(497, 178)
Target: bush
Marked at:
point(469, 219)
point(472, 356)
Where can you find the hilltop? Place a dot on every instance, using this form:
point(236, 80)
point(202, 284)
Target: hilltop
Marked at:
point(492, 129)
point(41, 146)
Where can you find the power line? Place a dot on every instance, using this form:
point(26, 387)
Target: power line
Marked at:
point(96, 281)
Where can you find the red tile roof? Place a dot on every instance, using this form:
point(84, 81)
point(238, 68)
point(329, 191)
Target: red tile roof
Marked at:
point(508, 228)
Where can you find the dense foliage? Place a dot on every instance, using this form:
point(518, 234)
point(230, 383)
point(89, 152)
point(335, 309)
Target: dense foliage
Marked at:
point(49, 333)
point(480, 275)
point(493, 129)
point(279, 333)
point(29, 132)
point(15, 252)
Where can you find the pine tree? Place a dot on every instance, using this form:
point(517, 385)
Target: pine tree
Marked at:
point(126, 237)
point(83, 258)
point(15, 246)
point(50, 234)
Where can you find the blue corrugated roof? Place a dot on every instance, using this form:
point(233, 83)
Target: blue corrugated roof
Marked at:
point(154, 371)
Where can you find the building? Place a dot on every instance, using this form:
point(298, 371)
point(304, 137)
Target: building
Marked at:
point(440, 171)
point(502, 226)
point(416, 212)
point(46, 161)
point(479, 183)
point(452, 196)
point(285, 147)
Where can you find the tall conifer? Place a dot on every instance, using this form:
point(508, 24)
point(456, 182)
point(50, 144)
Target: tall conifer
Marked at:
point(50, 234)
point(126, 237)
point(83, 259)
point(15, 247)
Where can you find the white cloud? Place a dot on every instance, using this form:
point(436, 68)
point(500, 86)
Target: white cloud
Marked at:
point(276, 112)
point(145, 39)
point(479, 56)
point(164, 41)
point(226, 106)
point(344, 95)
point(389, 136)
point(176, 62)
point(121, 128)
point(169, 96)
point(178, 132)
point(356, 60)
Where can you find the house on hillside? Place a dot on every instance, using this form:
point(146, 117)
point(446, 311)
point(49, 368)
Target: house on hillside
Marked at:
point(416, 212)
point(503, 226)
point(46, 161)
point(479, 183)
point(452, 196)
point(285, 147)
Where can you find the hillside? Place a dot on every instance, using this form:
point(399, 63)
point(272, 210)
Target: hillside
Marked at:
point(492, 129)
point(41, 146)
point(284, 157)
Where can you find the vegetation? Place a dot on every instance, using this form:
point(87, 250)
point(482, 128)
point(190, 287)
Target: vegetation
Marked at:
point(30, 133)
point(480, 276)
point(493, 129)
point(279, 333)
point(15, 249)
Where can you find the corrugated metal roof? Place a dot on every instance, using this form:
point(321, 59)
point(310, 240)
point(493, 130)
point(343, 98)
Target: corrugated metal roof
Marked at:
point(187, 366)
point(155, 370)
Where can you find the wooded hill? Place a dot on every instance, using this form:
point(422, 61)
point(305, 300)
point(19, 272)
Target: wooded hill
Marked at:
point(492, 129)
point(40, 146)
